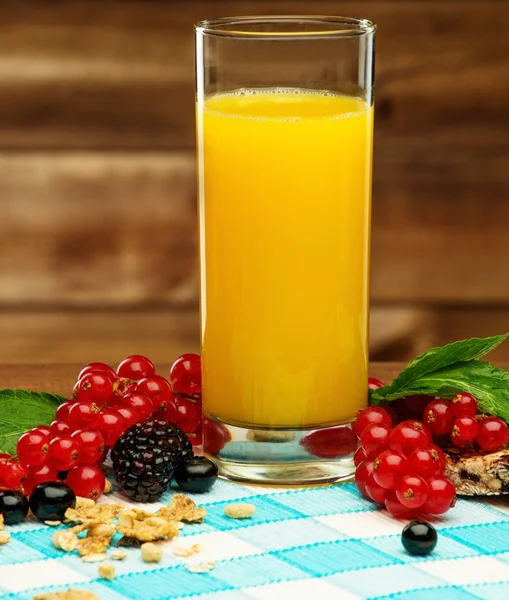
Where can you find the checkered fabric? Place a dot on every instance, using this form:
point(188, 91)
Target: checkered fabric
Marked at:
point(324, 542)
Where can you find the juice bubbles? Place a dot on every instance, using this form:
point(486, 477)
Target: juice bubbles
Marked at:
point(285, 195)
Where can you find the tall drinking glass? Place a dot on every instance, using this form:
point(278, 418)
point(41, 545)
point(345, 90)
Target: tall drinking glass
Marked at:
point(284, 122)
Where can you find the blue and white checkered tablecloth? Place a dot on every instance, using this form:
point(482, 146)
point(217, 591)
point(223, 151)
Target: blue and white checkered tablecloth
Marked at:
point(323, 542)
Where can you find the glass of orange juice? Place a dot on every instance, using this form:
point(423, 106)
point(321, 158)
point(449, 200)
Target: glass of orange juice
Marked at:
point(284, 135)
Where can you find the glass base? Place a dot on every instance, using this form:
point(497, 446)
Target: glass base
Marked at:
point(280, 456)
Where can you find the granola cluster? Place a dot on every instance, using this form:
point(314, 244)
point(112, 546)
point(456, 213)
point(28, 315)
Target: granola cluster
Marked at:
point(138, 527)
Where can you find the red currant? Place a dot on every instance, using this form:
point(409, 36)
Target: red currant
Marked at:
point(62, 413)
point(464, 430)
point(395, 508)
point(215, 436)
point(60, 428)
point(331, 442)
point(63, 453)
point(375, 439)
point(170, 412)
point(441, 457)
point(417, 403)
point(83, 415)
point(388, 468)
point(14, 474)
point(387, 406)
point(96, 387)
point(130, 415)
point(412, 491)
point(427, 462)
point(112, 425)
point(189, 414)
point(141, 403)
point(4, 459)
point(157, 388)
point(359, 456)
point(86, 481)
point(36, 475)
point(441, 495)
point(136, 367)
point(90, 443)
point(464, 405)
point(196, 438)
point(374, 383)
point(373, 490)
point(370, 415)
point(185, 375)
point(361, 476)
point(438, 416)
point(493, 433)
point(120, 387)
point(32, 448)
point(408, 436)
point(42, 429)
point(98, 366)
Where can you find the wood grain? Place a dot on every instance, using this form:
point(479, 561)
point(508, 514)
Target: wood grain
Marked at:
point(85, 335)
point(93, 229)
point(121, 75)
point(120, 229)
point(100, 335)
point(97, 173)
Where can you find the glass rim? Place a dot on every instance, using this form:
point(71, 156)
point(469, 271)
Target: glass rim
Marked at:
point(325, 26)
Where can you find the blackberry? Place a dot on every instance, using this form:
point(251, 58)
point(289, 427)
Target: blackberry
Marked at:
point(145, 457)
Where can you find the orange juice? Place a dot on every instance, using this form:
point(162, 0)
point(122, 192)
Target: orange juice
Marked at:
point(285, 194)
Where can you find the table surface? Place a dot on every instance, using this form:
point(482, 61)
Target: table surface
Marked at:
point(323, 540)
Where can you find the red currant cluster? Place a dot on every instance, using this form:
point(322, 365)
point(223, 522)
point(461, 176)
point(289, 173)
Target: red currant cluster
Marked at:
point(399, 466)
point(105, 403)
point(457, 422)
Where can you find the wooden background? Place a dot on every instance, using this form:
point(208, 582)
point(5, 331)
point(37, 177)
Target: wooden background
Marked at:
point(98, 236)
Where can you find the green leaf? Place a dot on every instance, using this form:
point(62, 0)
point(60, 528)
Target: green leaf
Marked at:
point(436, 359)
point(20, 410)
point(489, 385)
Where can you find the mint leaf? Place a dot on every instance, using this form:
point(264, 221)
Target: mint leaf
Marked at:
point(20, 410)
point(487, 383)
point(438, 358)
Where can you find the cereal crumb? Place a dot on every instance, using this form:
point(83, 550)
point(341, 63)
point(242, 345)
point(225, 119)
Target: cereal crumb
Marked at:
point(239, 510)
point(182, 508)
point(84, 502)
point(185, 552)
point(1, 522)
point(118, 555)
point(93, 514)
point(151, 552)
point(93, 545)
point(102, 530)
point(91, 558)
point(107, 486)
point(200, 567)
point(65, 540)
point(106, 571)
point(4, 537)
point(144, 526)
point(67, 595)
point(53, 523)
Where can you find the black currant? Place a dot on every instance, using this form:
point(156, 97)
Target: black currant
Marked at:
point(13, 506)
point(49, 501)
point(419, 538)
point(196, 475)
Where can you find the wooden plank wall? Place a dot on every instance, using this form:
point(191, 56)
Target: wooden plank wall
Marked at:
point(97, 188)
